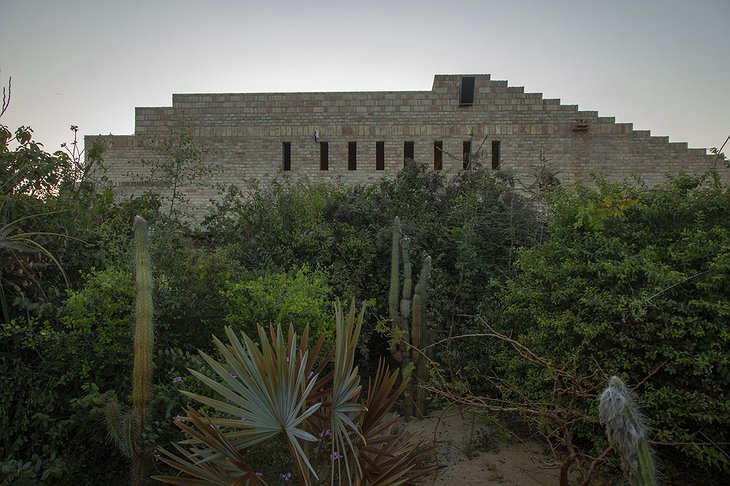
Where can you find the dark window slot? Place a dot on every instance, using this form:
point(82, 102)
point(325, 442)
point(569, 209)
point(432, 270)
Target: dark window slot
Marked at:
point(324, 156)
point(379, 155)
point(408, 151)
point(466, 154)
point(438, 155)
point(495, 155)
point(351, 155)
point(286, 157)
point(466, 94)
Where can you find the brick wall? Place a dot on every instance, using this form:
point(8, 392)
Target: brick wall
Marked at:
point(247, 132)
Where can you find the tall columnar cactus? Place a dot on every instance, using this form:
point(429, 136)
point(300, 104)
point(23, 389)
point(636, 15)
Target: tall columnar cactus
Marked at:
point(144, 337)
point(405, 303)
point(394, 295)
point(126, 427)
point(408, 313)
point(418, 330)
point(405, 300)
point(627, 433)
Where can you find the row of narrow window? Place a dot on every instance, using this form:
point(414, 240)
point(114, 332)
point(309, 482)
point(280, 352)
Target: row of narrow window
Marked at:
point(408, 153)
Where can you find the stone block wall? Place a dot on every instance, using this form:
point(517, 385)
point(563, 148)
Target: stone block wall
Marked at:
point(248, 133)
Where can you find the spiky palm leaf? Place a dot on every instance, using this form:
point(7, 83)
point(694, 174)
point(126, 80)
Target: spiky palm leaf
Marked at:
point(267, 388)
point(388, 459)
point(345, 393)
point(13, 239)
point(282, 388)
point(14, 242)
point(234, 470)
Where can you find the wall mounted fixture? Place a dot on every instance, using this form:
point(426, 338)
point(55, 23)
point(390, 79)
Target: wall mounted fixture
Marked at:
point(580, 126)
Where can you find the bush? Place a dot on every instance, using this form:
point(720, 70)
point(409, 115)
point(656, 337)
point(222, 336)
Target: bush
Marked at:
point(633, 282)
point(195, 272)
point(470, 225)
point(300, 298)
point(99, 321)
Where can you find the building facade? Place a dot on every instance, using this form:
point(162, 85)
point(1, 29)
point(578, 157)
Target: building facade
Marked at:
point(463, 122)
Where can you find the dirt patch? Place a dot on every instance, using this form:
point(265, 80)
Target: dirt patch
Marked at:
point(470, 453)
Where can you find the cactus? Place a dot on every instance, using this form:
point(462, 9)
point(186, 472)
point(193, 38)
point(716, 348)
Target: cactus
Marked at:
point(418, 330)
point(627, 433)
point(418, 327)
point(405, 301)
point(144, 333)
point(394, 295)
point(408, 314)
point(126, 427)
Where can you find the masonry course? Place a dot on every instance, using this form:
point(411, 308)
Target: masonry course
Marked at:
point(248, 130)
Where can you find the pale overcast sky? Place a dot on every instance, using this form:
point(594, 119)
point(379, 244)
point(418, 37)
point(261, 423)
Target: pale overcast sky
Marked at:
point(660, 64)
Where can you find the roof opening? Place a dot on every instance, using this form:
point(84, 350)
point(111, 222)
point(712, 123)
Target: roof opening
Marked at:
point(466, 94)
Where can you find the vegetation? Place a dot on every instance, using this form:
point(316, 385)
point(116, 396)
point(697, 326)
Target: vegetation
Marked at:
point(286, 392)
point(127, 428)
point(632, 281)
point(627, 433)
point(301, 299)
point(180, 160)
point(408, 316)
point(530, 305)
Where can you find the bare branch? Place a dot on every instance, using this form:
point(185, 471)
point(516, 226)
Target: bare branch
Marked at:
point(6, 97)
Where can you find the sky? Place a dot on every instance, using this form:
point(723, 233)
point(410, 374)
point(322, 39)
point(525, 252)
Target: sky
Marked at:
point(663, 65)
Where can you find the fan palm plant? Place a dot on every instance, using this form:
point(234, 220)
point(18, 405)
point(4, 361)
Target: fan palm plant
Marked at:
point(16, 246)
point(281, 390)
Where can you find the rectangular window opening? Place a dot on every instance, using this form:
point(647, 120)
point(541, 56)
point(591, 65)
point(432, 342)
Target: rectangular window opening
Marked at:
point(438, 155)
point(466, 94)
point(495, 155)
point(379, 155)
point(324, 156)
point(286, 155)
point(466, 154)
point(351, 155)
point(408, 151)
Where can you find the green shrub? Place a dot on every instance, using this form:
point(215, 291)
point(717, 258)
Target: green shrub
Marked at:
point(32, 435)
point(195, 273)
point(470, 224)
point(98, 319)
point(300, 298)
point(632, 282)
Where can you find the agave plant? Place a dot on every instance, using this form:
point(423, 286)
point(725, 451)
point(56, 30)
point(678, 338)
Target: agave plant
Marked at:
point(281, 390)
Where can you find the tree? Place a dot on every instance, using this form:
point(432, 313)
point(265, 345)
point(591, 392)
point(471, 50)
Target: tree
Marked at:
point(180, 162)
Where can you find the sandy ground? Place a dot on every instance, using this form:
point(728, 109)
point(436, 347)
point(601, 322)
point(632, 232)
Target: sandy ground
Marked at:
point(462, 441)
